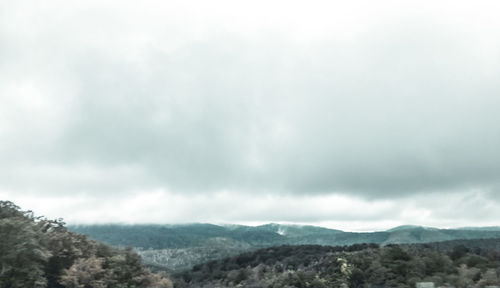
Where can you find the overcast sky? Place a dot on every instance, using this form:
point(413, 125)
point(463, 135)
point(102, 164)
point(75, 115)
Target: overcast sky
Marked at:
point(357, 115)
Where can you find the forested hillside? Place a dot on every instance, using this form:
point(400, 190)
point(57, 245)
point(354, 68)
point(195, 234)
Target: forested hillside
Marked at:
point(190, 235)
point(37, 252)
point(42, 253)
point(362, 265)
point(179, 247)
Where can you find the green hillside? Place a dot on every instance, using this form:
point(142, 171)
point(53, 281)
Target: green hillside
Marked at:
point(178, 247)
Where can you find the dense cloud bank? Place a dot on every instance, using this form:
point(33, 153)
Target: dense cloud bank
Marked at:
point(366, 102)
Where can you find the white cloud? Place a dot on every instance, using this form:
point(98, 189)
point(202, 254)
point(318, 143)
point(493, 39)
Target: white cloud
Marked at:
point(298, 104)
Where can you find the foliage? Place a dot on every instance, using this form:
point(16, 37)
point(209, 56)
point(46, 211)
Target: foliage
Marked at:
point(180, 247)
point(359, 266)
point(37, 252)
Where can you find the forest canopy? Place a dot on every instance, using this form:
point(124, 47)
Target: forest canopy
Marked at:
point(42, 253)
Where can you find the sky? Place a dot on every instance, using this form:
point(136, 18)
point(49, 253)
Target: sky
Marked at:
point(355, 115)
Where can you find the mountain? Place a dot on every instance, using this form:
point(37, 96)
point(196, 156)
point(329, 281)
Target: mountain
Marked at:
point(37, 252)
point(179, 247)
point(409, 227)
point(487, 228)
point(177, 236)
point(289, 230)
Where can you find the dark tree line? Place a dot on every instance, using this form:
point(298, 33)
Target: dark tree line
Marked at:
point(358, 266)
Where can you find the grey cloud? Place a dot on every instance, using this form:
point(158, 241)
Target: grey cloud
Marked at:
point(207, 111)
point(405, 107)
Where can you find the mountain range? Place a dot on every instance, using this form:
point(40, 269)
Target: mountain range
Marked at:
point(179, 247)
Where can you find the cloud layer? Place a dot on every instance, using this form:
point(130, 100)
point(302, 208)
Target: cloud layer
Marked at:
point(390, 103)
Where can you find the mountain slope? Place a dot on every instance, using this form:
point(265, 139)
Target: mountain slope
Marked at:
point(178, 247)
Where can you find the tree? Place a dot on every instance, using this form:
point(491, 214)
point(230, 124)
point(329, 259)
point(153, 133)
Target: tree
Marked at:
point(22, 255)
point(489, 278)
point(86, 273)
point(41, 253)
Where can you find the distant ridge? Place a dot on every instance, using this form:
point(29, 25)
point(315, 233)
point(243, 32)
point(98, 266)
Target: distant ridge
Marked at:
point(168, 236)
point(178, 247)
point(410, 227)
point(487, 228)
point(294, 230)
